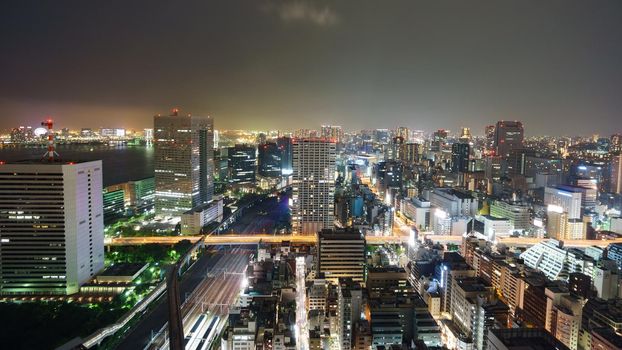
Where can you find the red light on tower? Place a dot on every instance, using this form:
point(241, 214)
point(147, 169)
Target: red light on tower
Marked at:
point(51, 151)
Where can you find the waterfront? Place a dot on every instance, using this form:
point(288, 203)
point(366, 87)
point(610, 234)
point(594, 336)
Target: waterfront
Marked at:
point(121, 162)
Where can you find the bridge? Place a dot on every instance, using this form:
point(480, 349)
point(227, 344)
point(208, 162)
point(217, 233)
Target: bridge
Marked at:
point(311, 239)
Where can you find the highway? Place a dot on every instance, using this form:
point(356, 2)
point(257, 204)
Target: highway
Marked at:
point(248, 239)
point(374, 240)
point(149, 240)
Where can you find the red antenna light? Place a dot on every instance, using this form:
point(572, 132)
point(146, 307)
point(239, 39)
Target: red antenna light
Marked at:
point(51, 151)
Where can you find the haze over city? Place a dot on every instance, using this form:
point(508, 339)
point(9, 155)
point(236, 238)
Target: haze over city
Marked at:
point(311, 175)
point(288, 64)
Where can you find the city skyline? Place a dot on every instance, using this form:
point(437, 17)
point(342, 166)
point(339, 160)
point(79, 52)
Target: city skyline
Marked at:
point(292, 64)
point(311, 175)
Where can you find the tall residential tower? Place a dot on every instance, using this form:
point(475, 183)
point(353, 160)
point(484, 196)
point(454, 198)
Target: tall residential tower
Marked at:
point(313, 185)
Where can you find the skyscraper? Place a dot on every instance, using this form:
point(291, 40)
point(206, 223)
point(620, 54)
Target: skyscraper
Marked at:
point(269, 164)
point(460, 157)
point(285, 146)
point(313, 185)
point(334, 132)
point(489, 133)
point(184, 162)
point(615, 143)
point(508, 135)
point(242, 164)
point(403, 132)
point(465, 135)
point(616, 174)
point(51, 226)
point(439, 138)
point(565, 199)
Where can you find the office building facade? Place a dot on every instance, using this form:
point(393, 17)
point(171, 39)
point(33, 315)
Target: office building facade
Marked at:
point(51, 226)
point(508, 136)
point(242, 164)
point(270, 160)
point(341, 254)
point(460, 157)
point(183, 162)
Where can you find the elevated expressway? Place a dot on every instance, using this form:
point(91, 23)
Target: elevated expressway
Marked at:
point(311, 239)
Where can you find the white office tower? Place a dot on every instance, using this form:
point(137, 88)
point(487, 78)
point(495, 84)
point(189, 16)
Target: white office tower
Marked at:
point(51, 226)
point(184, 161)
point(555, 262)
point(313, 185)
point(568, 198)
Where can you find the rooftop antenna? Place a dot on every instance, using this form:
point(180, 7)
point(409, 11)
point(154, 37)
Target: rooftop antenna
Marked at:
point(51, 151)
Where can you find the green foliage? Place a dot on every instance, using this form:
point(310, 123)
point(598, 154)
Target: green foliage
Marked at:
point(49, 325)
point(148, 253)
point(451, 247)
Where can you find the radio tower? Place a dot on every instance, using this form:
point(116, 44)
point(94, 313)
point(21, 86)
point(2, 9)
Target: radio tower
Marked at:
point(51, 152)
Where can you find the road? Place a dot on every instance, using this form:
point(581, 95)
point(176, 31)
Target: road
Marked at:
point(151, 323)
point(256, 238)
point(302, 329)
point(149, 240)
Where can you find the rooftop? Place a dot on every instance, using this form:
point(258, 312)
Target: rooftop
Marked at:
point(45, 161)
point(527, 339)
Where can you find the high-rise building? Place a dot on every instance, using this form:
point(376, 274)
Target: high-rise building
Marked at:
point(183, 162)
point(51, 226)
point(313, 188)
point(242, 164)
point(333, 132)
point(439, 138)
point(269, 160)
point(114, 204)
point(565, 199)
point(403, 132)
point(555, 262)
point(489, 133)
point(615, 144)
point(518, 214)
point(614, 252)
point(508, 135)
point(474, 309)
point(465, 135)
point(460, 157)
point(349, 302)
point(285, 146)
point(341, 254)
point(395, 148)
point(615, 183)
point(381, 136)
point(410, 153)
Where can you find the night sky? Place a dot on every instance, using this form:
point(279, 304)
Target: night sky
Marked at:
point(555, 65)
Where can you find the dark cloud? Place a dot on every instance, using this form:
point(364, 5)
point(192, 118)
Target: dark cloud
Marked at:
point(286, 64)
point(314, 12)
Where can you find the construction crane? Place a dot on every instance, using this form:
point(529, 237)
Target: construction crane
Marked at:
point(51, 151)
